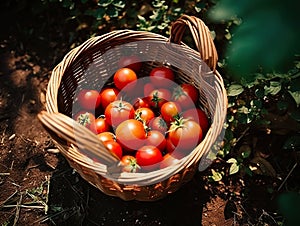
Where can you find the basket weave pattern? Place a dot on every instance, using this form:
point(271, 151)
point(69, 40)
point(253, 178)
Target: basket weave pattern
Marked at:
point(95, 61)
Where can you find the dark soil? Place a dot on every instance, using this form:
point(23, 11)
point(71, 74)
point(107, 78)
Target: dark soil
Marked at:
point(37, 185)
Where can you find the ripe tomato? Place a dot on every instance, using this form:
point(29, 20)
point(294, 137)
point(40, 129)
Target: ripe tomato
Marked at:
point(162, 77)
point(168, 160)
point(118, 111)
point(123, 77)
point(170, 111)
point(158, 123)
point(131, 135)
point(133, 62)
point(198, 116)
point(106, 136)
point(158, 97)
point(157, 139)
point(129, 164)
point(148, 88)
point(141, 103)
point(114, 147)
point(108, 95)
point(186, 95)
point(176, 152)
point(148, 156)
point(89, 99)
point(144, 115)
point(86, 119)
point(185, 134)
point(101, 125)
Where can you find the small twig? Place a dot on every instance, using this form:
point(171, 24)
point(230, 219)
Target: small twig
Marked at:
point(23, 206)
point(4, 174)
point(47, 194)
point(17, 209)
point(287, 176)
point(6, 200)
point(242, 135)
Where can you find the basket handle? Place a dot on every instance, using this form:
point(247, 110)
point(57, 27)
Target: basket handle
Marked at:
point(69, 130)
point(201, 36)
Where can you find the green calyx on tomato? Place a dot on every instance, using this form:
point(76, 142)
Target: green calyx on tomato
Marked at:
point(84, 119)
point(185, 134)
point(129, 164)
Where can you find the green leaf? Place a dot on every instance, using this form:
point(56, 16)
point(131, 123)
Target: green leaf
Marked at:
point(119, 3)
point(112, 12)
point(289, 207)
point(105, 3)
point(296, 96)
point(273, 89)
point(216, 176)
point(234, 168)
point(99, 13)
point(235, 90)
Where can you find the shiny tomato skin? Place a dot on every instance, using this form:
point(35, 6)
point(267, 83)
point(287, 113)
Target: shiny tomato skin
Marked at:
point(89, 99)
point(148, 88)
point(144, 115)
point(106, 136)
point(148, 155)
point(156, 139)
point(198, 116)
point(185, 135)
point(114, 147)
point(162, 77)
point(130, 134)
point(170, 111)
point(129, 164)
point(108, 95)
point(86, 119)
point(131, 61)
point(141, 102)
point(124, 77)
point(158, 97)
point(158, 123)
point(118, 111)
point(186, 95)
point(101, 125)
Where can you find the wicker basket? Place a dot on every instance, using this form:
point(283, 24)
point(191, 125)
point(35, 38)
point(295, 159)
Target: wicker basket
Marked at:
point(96, 60)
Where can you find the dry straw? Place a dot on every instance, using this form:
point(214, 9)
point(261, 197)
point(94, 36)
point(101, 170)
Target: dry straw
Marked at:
point(94, 62)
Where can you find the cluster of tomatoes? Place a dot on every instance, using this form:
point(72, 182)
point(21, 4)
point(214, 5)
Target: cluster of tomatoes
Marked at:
point(148, 121)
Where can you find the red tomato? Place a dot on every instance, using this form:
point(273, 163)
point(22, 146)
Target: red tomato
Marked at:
point(162, 77)
point(170, 111)
point(148, 156)
point(106, 136)
point(108, 95)
point(168, 160)
point(118, 111)
point(186, 95)
point(185, 134)
point(130, 134)
point(158, 97)
point(129, 164)
point(148, 88)
point(198, 116)
point(101, 125)
point(158, 123)
point(157, 139)
point(176, 152)
point(141, 103)
point(144, 115)
point(133, 62)
point(114, 147)
point(86, 119)
point(123, 77)
point(89, 99)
